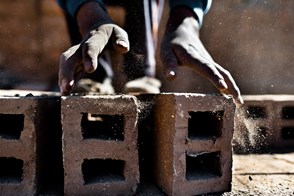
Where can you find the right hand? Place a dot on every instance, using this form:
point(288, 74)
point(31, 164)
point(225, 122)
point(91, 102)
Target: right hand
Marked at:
point(181, 46)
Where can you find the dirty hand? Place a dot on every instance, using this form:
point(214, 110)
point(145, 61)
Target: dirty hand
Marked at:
point(97, 31)
point(181, 46)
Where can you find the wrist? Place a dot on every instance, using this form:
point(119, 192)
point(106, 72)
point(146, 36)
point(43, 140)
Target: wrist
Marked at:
point(178, 15)
point(91, 15)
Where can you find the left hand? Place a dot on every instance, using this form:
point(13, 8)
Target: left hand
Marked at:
point(98, 31)
point(181, 46)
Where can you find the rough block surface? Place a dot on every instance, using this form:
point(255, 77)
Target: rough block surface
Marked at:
point(193, 143)
point(18, 172)
point(100, 145)
point(264, 122)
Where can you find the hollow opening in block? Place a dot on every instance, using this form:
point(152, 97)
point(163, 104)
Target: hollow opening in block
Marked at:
point(203, 166)
point(105, 127)
point(102, 170)
point(11, 126)
point(288, 113)
point(11, 170)
point(255, 112)
point(287, 133)
point(203, 125)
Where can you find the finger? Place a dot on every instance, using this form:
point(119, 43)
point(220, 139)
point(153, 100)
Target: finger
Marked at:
point(229, 83)
point(120, 40)
point(169, 60)
point(232, 86)
point(94, 46)
point(191, 57)
point(69, 61)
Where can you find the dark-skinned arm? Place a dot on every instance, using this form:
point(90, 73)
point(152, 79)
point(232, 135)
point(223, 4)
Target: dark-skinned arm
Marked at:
point(97, 31)
point(181, 46)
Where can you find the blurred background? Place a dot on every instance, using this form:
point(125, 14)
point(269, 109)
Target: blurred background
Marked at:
point(33, 34)
point(253, 39)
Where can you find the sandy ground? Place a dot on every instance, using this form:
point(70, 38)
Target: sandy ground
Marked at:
point(254, 174)
point(263, 174)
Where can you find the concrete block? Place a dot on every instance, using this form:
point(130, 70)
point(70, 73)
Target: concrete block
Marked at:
point(254, 130)
point(18, 159)
point(193, 143)
point(100, 145)
point(283, 120)
point(264, 122)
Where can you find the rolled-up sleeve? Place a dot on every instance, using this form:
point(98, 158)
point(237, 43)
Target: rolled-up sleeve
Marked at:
point(200, 7)
point(72, 6)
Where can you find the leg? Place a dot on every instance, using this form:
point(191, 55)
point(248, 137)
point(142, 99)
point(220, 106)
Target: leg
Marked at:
point(138, 26)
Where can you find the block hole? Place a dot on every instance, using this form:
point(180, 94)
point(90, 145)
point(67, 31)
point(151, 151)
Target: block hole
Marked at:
point(255, 112)
point(105, 127)
point(102, 170)
point(11, 170)
point(203, 166)
point(203, 125)
point(288, 113)
point(287, 133)
point(11, 126)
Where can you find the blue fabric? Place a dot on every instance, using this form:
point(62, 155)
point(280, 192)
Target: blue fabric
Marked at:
point(72, 6)
point(200, 7)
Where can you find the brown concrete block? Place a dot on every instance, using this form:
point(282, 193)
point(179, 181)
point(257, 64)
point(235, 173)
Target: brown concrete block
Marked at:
point(254, 130)
point(100, 145)
point(18, 159)
point(264, 122)
point(193, 143)
point(284, 121)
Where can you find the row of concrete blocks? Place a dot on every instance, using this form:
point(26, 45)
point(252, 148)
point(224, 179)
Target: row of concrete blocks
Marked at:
point(192, 143)
point(264, 123)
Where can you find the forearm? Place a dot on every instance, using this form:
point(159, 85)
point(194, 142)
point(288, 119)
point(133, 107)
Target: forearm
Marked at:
point(177, 16)
point(198, 7)
point(91, 15)
point(87, 13)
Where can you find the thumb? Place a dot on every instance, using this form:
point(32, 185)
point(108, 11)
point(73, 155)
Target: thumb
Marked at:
point(91, 50)
point(69, 61)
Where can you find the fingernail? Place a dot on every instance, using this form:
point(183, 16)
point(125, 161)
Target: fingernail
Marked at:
point(122, 43)
point(170, 74)
point(224, 84)
point(241, 101)
point(71, 83)
point(66, 87)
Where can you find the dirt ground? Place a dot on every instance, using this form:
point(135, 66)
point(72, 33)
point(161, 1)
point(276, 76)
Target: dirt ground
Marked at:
point(263, 174)
point(254, 174)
